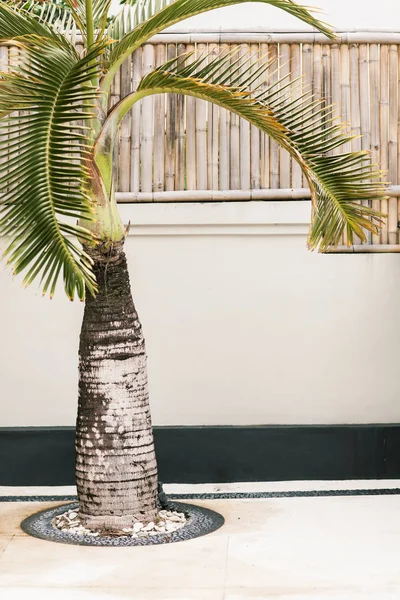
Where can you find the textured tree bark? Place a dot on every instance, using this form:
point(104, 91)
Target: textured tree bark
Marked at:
point(116, 468)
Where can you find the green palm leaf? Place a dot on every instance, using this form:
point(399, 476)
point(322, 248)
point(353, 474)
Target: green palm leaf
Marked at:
point(16, 24)
point(152, 16)
point(302, 126)
point(100, 14)
point(55, 16)
point(41, 182)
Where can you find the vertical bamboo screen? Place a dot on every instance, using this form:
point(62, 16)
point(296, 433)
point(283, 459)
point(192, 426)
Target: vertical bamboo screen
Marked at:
point(171, 143)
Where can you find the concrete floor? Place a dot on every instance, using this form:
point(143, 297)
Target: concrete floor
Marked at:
point(325, 548)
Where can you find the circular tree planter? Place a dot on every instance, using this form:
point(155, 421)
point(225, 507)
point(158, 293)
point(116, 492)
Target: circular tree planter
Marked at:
point(200, 521)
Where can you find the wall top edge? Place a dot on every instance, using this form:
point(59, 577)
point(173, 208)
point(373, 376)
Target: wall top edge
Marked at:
point(301, 30)
point(176, 34)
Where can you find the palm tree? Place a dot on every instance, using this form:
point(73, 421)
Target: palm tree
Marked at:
point(59, 209)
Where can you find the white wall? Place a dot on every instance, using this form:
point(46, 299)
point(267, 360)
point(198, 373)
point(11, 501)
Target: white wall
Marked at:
point(339, 13)
point(243, 324)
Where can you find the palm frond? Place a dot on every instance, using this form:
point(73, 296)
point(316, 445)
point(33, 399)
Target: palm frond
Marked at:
point(51, 14)
point(77, 8)
point(42, 177)
point(17, 23)
point(101, 10)
point(149, 17)
point(131, 15)
point(303, 126)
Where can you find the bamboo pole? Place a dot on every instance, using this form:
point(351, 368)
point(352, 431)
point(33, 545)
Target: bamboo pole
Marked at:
point(255, 183)
point(295, 70)
point(180, 131)
point(356, 35)
point(374, 115)
point(159, 128)
point(384, 128)
point(326, 90)
point(284, 156)
point(355, 97)
point(235, 136)
point(335, 74)
point(170, 131)
point(364, 89)
point(345, 108)
point(216, 195)
point(326, 75)
point(147, 133)
point(317, 71)
point(244, 126)
point(339, 98)
point(125, 129)
point(213, 132)
point(201, 133)
point(264, 151)
point(307, 66)
point(227, 195)
point(393, 215)
point(364, 110)
point(355, 104)
point(190, 133)
point(307, 76)
point(273, 146)
point(135, 123)
point(224, 140)
point(263, 35)
point(360, 35)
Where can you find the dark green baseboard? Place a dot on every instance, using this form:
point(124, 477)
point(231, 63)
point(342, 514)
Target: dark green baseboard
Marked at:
point(45, 455)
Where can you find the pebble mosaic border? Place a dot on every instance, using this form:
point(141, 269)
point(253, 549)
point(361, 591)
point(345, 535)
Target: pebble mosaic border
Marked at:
point(200, 521)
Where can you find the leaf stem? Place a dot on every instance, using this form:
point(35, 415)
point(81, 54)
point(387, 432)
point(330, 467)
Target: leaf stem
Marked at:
point(89, 24)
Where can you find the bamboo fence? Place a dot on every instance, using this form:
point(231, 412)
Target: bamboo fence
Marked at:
point(176, 149)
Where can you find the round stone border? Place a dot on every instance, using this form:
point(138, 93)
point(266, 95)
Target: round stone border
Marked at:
point(200, 521)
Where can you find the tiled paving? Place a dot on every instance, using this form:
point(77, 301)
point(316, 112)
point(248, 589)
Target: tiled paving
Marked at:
point(299, 548)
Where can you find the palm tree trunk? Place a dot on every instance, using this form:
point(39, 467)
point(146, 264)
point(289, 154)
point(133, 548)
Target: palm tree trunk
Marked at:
point(116, 468)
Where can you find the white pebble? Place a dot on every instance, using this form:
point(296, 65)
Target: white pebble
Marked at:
point(167, 522)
